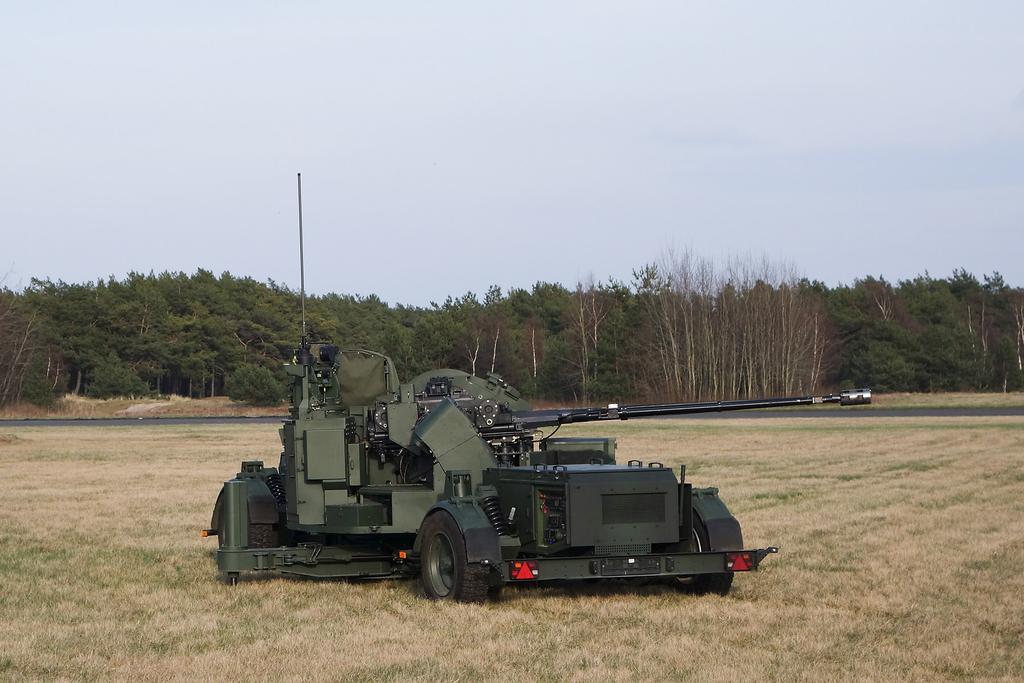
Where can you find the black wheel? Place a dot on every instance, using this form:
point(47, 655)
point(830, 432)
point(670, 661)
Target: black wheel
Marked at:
point(444, 571)
point(704, 584)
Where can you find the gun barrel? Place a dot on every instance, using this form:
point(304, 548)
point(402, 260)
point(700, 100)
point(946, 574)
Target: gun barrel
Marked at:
point(551, 418)
point(855, 397)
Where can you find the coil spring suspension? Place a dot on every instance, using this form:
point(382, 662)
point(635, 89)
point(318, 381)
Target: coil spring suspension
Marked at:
point(492, 508)
point(276, 487)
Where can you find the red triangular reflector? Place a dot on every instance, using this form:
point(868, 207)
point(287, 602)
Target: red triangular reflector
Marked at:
point(522, 572)
point(740, 562)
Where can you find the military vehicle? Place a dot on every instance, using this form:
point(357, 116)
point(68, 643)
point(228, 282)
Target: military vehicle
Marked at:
point(449, 477)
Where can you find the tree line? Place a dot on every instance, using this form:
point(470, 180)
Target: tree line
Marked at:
point(683, 328)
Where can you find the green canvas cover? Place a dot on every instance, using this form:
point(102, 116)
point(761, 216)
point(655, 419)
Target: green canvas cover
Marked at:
point(362, 377)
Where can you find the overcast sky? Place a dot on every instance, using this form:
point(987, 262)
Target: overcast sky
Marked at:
point(448, 146)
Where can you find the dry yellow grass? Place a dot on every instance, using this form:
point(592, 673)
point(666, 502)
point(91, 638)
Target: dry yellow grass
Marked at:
point(953, 399)
point(902, 542)
point(168, 406)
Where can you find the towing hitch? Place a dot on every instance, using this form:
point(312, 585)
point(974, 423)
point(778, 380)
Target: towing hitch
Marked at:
point(747, 560)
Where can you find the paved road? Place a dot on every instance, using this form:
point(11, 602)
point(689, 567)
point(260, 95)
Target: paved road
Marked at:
point(759, 414)
point(873, 412)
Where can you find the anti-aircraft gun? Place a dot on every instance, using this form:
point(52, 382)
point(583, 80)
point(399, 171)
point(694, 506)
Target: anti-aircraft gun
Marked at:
point(450, 477)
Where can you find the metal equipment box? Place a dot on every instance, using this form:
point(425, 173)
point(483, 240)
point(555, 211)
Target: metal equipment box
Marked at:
point(613, 509)
point(575, 450)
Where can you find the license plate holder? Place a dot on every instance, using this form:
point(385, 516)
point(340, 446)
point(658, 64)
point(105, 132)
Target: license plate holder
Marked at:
point(630, 566)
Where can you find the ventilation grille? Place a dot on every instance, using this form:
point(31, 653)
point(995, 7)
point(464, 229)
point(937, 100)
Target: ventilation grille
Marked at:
point(625, 549)
point(632, 508)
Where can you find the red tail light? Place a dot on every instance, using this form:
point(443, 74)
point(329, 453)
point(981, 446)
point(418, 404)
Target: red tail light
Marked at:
point(739, 562)
point(524, 570)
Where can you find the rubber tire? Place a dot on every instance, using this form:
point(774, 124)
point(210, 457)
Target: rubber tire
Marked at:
point(706, 584)
point(470, 580)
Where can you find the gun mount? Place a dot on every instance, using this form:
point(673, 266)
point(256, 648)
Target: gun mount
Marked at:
point(448, 476)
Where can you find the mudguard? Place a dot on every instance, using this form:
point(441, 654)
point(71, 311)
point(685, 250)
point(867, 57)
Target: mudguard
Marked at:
point(482, 544)
point(723, 530)
point(262, 506)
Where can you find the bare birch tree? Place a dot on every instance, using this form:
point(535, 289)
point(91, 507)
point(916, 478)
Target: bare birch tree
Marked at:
point(744, 330)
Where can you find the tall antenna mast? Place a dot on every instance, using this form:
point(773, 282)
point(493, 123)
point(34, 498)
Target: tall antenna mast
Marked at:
point(302, 265)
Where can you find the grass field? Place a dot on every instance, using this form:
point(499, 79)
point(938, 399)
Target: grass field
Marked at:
point(902, 547)
point(82, 407)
